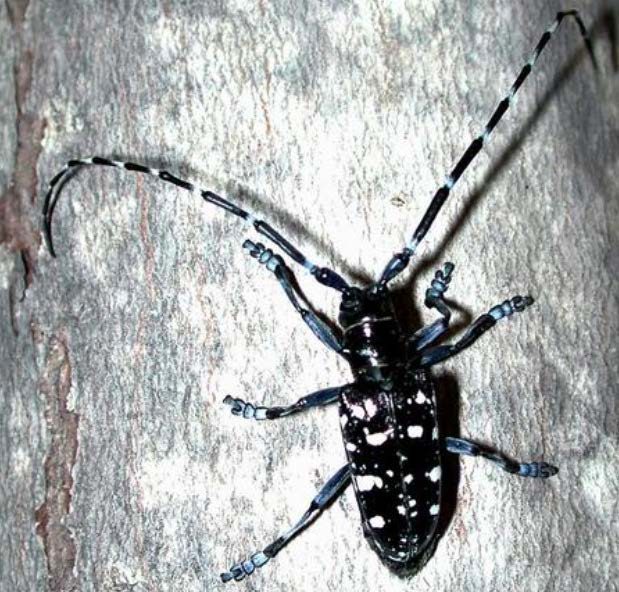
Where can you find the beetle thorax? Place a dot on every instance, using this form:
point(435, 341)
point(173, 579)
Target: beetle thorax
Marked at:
point(372, 335)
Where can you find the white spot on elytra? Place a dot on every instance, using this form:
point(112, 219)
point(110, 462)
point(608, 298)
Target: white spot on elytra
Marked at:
point(434, 510)
point(357, 411)
point(412, 503)
point(377, 521)
point(389, 472)
point(402, 510)
point(409, 401)
point(408, 478)
point(420, 398)
point(435, 433)
point(370, 408)
point(350, 446)
point(378, 438)
point(343, 420)
point(367, 482)
point(414, 431)
point(434, 474)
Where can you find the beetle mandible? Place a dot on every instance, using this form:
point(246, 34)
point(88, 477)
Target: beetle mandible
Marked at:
point(388, 413)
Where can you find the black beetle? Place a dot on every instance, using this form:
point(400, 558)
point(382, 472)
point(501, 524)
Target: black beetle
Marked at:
point(388, 413)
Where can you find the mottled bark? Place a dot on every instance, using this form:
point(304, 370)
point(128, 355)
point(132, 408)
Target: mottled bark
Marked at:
point(121, 470)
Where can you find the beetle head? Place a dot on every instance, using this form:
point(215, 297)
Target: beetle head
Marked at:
point(358, 304)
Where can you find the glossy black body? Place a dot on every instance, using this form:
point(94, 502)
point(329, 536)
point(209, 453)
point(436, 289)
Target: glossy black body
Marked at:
point(390, 431)
point(388, 414)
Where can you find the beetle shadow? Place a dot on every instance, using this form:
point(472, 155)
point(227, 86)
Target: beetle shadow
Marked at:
point(448, 414)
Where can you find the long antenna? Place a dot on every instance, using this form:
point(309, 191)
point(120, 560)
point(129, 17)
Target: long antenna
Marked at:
point(400, 260)
point(323, 275)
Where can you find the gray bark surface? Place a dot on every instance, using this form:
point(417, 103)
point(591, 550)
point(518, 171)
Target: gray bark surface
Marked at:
point(120, 468)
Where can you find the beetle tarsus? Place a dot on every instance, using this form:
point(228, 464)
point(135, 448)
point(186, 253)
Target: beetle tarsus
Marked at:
point(541, 470)
point(245, 568)
point(242, 409)
point(439, 284)
point(509, 307)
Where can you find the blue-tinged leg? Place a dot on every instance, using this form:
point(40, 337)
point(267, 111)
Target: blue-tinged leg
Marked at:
point(287, 280)
point(330, 491)
point(317, 399)
point(533, 469)
point(437, 354)
point(434, 299)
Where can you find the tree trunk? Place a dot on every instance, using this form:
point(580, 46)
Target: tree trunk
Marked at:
point(121, 469)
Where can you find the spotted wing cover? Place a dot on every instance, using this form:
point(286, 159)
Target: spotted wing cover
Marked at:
point(391, 440)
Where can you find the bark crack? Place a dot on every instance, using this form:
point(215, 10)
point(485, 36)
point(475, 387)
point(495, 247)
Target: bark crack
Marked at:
point(18, 231)
point(58, 540)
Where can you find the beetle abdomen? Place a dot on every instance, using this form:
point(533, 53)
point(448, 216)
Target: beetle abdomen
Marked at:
point(391, 439)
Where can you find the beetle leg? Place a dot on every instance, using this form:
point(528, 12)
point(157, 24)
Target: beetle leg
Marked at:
point(437, 354)
point(329, 492)
point(434, 299)
point(427, 335)
point(287, 280)
point(316, 399)
point(533, 469)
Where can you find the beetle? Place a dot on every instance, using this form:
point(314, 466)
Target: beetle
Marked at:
point(388, 412)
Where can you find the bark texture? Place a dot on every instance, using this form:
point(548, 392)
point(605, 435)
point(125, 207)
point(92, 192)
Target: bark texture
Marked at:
point(120, 468)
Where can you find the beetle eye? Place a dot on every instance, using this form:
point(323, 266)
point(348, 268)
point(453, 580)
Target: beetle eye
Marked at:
point(350, 304)
point(377, 291)
point(350, 299)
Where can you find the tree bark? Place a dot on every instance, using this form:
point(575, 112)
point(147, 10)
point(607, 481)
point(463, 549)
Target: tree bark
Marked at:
point(121, 469)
